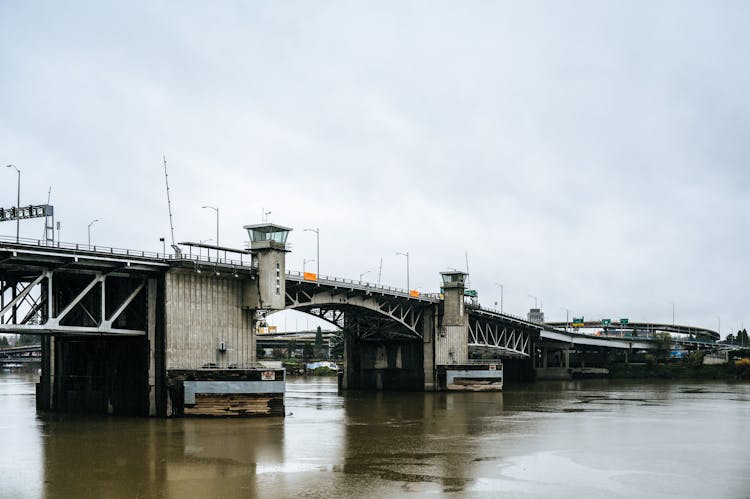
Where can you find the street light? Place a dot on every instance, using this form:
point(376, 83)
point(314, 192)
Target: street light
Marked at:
point(305, 262)
point(567, 317)
point(18, 202)
point(501, 296)
point(163, 247)
point(217, 228)
point(719, 317)
point(217, 221)
point(363, 274)
point(407, 269)
point(89, 230)
point(672, 312)
point(200, 249)
point(317, 248)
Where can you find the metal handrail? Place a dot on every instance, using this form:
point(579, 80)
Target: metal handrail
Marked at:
point(362, 285)
point(107, 250)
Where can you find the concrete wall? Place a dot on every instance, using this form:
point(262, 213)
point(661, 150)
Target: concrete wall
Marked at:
point(452, 345)
point(268, 289)
point(428, 350)
point(200, 311)
point(452, 339)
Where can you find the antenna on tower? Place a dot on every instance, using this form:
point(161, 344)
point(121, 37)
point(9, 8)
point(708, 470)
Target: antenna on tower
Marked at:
point(176, 248)
point(468, 276)
point(49, 227)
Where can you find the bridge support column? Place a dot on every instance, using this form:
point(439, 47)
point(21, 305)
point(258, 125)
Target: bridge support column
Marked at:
point(155, 331)
point(428, 357)
point(46, 385)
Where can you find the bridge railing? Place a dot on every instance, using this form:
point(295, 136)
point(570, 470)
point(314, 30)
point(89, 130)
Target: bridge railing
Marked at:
point(363, 285)
point(98, 250)
point(496, 311)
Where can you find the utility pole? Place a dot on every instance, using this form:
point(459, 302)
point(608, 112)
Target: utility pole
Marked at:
point(317, 248)
point(18, 202)
point(408, 289)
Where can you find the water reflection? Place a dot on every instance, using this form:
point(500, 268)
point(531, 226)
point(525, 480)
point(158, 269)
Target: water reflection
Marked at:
point(21, 456)
point(567, 439)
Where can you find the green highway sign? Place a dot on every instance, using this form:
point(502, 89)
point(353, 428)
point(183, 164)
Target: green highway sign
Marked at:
point(606, 322)
point(623, 321)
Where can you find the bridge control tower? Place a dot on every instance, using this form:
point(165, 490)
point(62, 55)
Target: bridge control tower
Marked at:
point(268, 244)
point(451, 344)
point(454, 372)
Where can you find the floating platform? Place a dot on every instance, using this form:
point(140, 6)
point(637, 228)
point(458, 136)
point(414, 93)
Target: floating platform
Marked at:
point(226, 392)
point(471, 377)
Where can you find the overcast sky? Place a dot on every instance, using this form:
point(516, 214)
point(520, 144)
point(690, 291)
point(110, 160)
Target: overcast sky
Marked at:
point(595, 155)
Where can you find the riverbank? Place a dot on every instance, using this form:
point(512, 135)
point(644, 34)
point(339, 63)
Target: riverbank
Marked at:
point(681, 370)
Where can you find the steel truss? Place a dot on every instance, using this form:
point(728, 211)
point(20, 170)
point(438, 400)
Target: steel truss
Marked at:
point(499, 335)
point(50, 303)
point(376, 316)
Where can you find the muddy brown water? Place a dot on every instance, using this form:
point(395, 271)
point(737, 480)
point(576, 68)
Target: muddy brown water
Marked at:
point(593, 438)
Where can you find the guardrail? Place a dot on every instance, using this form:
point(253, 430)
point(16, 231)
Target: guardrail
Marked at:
point(484, 361)
point(362, 285)
point(98, 250)
point(497, 312)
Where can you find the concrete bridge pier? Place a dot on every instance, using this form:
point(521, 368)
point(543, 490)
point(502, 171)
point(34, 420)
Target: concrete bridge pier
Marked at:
point(381, 364)
point(210, 320)
point(555, 362)
point(115, 374)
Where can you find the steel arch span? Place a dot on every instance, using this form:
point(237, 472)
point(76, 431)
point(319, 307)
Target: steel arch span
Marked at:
point(496, 334)
point(376, 316)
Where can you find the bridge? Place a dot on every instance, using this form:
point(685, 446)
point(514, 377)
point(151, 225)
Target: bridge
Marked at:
point(20, 355)
point(641, 329)
point(144, 319)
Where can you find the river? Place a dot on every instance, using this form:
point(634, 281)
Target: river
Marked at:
point(592, 438)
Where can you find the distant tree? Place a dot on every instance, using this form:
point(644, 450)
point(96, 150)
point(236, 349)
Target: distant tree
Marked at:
point(28, 339)
point(291, 348)
point(695, 359)
point(742, 338)
point(663, 343)
point(337, 345)
point(730, 339)
point(308, 351)
point(277, 353)
point(4, 342)
point(261, 353)
point(319, 343)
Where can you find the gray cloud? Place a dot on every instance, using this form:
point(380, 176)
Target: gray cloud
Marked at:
point(590, 154)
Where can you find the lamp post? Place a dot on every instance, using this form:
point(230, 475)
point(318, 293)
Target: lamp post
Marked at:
point(501, 296)
point(408, 289)
point(672, 312)
point(317, 248)
point(217, 221)
point(89, 230)
point(217, 227)
point(200, 249)
point(18, 202)
point(305, 262)
point(163, 247)
point(363, 274)
point(719, 317)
